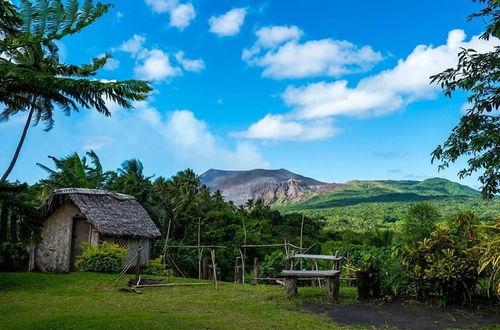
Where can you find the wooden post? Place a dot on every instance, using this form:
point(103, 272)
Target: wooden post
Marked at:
point(332, 287)
point(214, 266)
point(199, 249)
point(138, 266)
point(238, 271)
point(256, 270)
point(287, 264)
point(314, 266)
point(205, 269)
point(336, 262)
point(291, 286)
point(301, 236)
point(242, 255)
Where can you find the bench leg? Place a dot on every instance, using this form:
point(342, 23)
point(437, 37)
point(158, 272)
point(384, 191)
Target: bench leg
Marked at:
point(291, 286)
point(332, 287)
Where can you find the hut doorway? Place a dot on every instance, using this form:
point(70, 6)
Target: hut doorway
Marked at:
point(81, 234)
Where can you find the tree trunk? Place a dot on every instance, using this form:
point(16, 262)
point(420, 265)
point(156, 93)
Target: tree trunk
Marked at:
point(19, 146)
point(291, 286)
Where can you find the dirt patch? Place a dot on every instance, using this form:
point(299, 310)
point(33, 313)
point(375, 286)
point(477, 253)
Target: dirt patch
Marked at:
point(405, 316)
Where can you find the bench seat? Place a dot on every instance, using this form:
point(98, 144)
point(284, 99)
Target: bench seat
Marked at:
point(310, 273)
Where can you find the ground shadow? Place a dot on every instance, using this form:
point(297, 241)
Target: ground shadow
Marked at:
point(404, 316)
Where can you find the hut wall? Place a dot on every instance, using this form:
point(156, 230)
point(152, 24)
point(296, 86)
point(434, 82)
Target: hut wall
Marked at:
point(53, 253)
point(133, 244)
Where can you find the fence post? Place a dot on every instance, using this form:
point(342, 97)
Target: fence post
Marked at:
point(255, 270)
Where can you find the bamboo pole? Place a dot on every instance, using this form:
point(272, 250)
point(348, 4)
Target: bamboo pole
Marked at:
point(301, 236)
point(214, 266)
point(199, 249)
point(244, 248)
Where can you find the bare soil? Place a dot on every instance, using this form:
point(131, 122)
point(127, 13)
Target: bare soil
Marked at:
point(406, 315)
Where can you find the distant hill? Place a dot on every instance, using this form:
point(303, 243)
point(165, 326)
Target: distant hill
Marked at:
point(380, 200)
point(268, 185)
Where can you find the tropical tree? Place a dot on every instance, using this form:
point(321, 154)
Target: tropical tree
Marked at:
point(32, 78)
point(477, 135)
point(20, 223)
point(419, 222)
point(130, 179)
point(73, 171)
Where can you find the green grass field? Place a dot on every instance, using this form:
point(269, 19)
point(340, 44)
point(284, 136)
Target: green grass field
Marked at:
point(89, 301)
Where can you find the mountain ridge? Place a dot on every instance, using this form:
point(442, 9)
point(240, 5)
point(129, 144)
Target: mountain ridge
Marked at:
point(282, 186)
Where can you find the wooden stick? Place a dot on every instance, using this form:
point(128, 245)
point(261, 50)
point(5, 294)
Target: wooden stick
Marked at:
point(124, 270)
point(244, 256)
point(214, 266)
point(242, 265)
point(301, 234)
point(198, 246)
point(199, 249)
point(169, 284)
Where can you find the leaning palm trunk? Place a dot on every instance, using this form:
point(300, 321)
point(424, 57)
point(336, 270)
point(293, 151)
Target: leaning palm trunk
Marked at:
point(19, 146)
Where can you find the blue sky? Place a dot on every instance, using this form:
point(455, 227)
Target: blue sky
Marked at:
point(336, 90)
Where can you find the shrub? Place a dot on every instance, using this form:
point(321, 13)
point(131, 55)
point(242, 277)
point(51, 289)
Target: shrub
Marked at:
point(368, 279)
point(273, 262)
point(156, 267)
point(489, 250)
point(444, 266)
point(103, 258)
point(419, 222)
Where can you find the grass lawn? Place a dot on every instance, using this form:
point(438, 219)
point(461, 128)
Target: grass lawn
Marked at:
point(89, 300)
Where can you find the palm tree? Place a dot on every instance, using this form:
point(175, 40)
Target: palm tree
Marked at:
point(32, 78)
point(73, 171)
point(131, 180)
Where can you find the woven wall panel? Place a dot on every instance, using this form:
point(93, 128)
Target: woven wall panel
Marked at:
point(53, 253)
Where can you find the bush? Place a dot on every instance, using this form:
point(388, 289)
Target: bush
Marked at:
point(103, 258)
point(273, 262)
point(156, 267)
point(443, 267)
point(13, 256)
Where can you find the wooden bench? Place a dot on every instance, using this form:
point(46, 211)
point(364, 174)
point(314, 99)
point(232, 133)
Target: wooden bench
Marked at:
point(331, 276)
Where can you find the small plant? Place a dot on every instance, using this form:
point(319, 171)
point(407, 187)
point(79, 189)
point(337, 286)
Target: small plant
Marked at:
point(103, 258)
point(368, 279)
point(157, 267)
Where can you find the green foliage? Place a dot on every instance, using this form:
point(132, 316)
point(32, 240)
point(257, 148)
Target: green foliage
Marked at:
point(489, 250)
point(273, 262)
point(362, 206)
point(443, 267)
point(157, 267)
point(75, 171)
point(20, 224)
point(103, 258)
point(419, 222)
point(476, 135)
point(32, 78)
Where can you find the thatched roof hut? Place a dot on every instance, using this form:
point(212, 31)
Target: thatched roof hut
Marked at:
point(77, 215)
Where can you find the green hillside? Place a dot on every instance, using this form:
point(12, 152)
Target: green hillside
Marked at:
point(364, 204)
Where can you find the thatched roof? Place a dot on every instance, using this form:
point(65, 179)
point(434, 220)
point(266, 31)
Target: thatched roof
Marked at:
point(109, 212)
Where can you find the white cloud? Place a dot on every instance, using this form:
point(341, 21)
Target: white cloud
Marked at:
point(156, 66)
point(96, 142)
point(390, 90)
point(229, 23)
point(278, 50)
point(162, 6)
point(133, 45)
point(189, 65)
point(112, 64)
point(276, 127)
point(181, 14)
